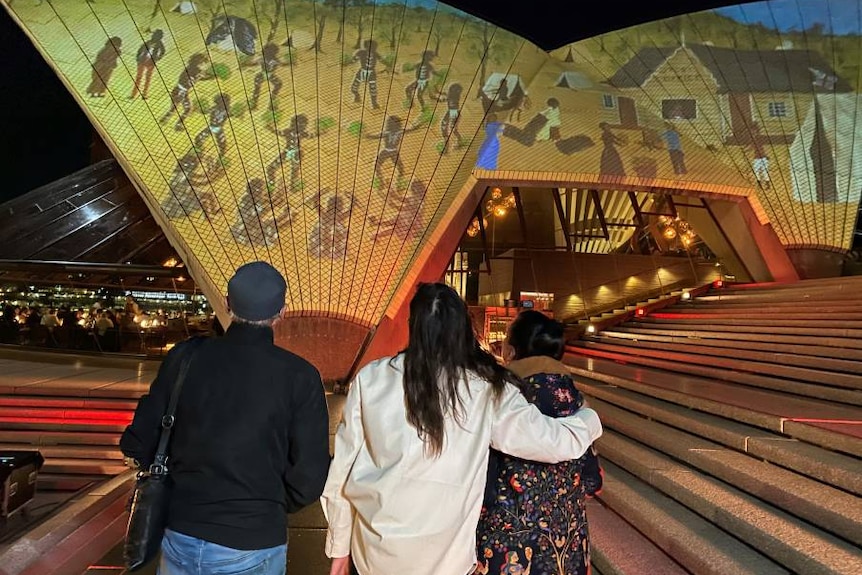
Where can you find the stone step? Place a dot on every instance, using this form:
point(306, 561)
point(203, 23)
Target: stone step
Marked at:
point(828, 508)
point(621, 332)
point(789, 308)
point(822, 423)
point(51, 424)
point(50, 438)
point(842, 280)
point(68, 451)
point(695, 543)
point(716, 369)
point(835, 318)
point(63, 413)
point(70, 466)
point(64, 482)
point(617, 548)
point(58, 402)
point(818, 336)
point(763, 363)
point(742, 352)
point(790, 542)
point(826, 466)
point(755, 334)
point(848, 328)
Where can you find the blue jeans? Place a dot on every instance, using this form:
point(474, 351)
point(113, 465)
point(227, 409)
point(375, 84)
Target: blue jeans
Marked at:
point(187, 555)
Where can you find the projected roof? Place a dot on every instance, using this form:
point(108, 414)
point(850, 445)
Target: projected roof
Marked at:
point(332, 138)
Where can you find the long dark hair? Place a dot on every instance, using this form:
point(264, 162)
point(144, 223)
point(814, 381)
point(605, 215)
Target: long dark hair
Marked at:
point(441, 350)
point(533, 333)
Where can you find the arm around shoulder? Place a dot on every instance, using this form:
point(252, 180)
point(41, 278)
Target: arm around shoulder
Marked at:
point(521, 430)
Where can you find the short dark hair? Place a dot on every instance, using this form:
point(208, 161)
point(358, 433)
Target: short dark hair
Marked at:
point(533, 333)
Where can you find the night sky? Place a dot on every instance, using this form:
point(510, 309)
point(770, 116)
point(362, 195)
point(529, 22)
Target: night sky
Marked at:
point(44, 135)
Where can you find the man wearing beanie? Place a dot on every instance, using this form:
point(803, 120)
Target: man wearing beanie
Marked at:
point(250, 443)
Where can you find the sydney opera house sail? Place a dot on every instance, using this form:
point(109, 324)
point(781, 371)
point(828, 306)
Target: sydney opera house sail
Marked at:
point(336, 139)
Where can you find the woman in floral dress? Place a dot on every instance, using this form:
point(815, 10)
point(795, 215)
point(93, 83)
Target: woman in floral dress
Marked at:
point(534, 519)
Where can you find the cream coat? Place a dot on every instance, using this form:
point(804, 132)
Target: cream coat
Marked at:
point(396, 510)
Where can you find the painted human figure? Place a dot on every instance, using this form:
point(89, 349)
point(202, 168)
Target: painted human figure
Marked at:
point(391, 136)
point(103, 67)
point(551, 129)
point(292, 152)
point(611, 162)
point(269, 63)
point(255, 223)
point(760, 165)
point(180, 101)
point(674, 149)
point(328, 239)
point(218, 116)
point(190, 192)
point(367, 57)
point(248, 227)
point(513, 563)
point(489, 151)
point(449, 122)
point(148, 55)
point(408, 221)
point(424, 72)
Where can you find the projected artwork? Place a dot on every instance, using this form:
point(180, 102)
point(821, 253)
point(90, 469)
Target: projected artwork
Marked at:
point(761, 95)
point(330, 137)
point(326, 137)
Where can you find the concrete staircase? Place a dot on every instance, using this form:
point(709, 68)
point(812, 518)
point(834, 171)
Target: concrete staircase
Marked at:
point(72, 409)
point(733, 438)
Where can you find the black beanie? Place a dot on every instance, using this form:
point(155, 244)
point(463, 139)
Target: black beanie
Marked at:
point(256, 291)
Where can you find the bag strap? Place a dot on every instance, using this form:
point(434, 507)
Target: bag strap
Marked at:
point(159, 466)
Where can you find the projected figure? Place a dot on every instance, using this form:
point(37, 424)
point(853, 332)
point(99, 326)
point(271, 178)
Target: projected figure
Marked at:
point(328, 239)
point(268, 62)
point(291, 155)
point(674, 148)
point(449, 122)
point(103, 67)
point(180, 102)
point(218, 116)
point(148, 55)
point(391, 135)
point(760, 165)
point(407, 222)
point(255, 224)
point(190, 191)
point(424, 71)
point(489, 151)
point(367, 57)
point(550, 129)
point(611, 162)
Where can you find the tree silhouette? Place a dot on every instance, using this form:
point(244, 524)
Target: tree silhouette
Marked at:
point(394, 18)
point(356, 15)
point(442, 28)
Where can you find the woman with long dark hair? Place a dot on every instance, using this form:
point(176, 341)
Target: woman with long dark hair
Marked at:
point(547, 501)
point(405, 487)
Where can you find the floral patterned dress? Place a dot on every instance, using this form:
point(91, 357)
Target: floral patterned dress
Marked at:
point(534, 519)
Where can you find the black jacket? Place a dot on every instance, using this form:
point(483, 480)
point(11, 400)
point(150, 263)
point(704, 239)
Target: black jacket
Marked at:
point(251, 440)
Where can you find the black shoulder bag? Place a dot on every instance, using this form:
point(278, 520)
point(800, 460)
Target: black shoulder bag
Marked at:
point(148, 514)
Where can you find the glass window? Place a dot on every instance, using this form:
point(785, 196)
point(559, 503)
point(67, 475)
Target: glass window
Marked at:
point(608, 101)
point(777, 109)
point(679, 109)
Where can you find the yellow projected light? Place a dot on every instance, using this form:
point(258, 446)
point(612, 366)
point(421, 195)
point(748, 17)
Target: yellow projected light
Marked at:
point(331, 138)
point(328, 140)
